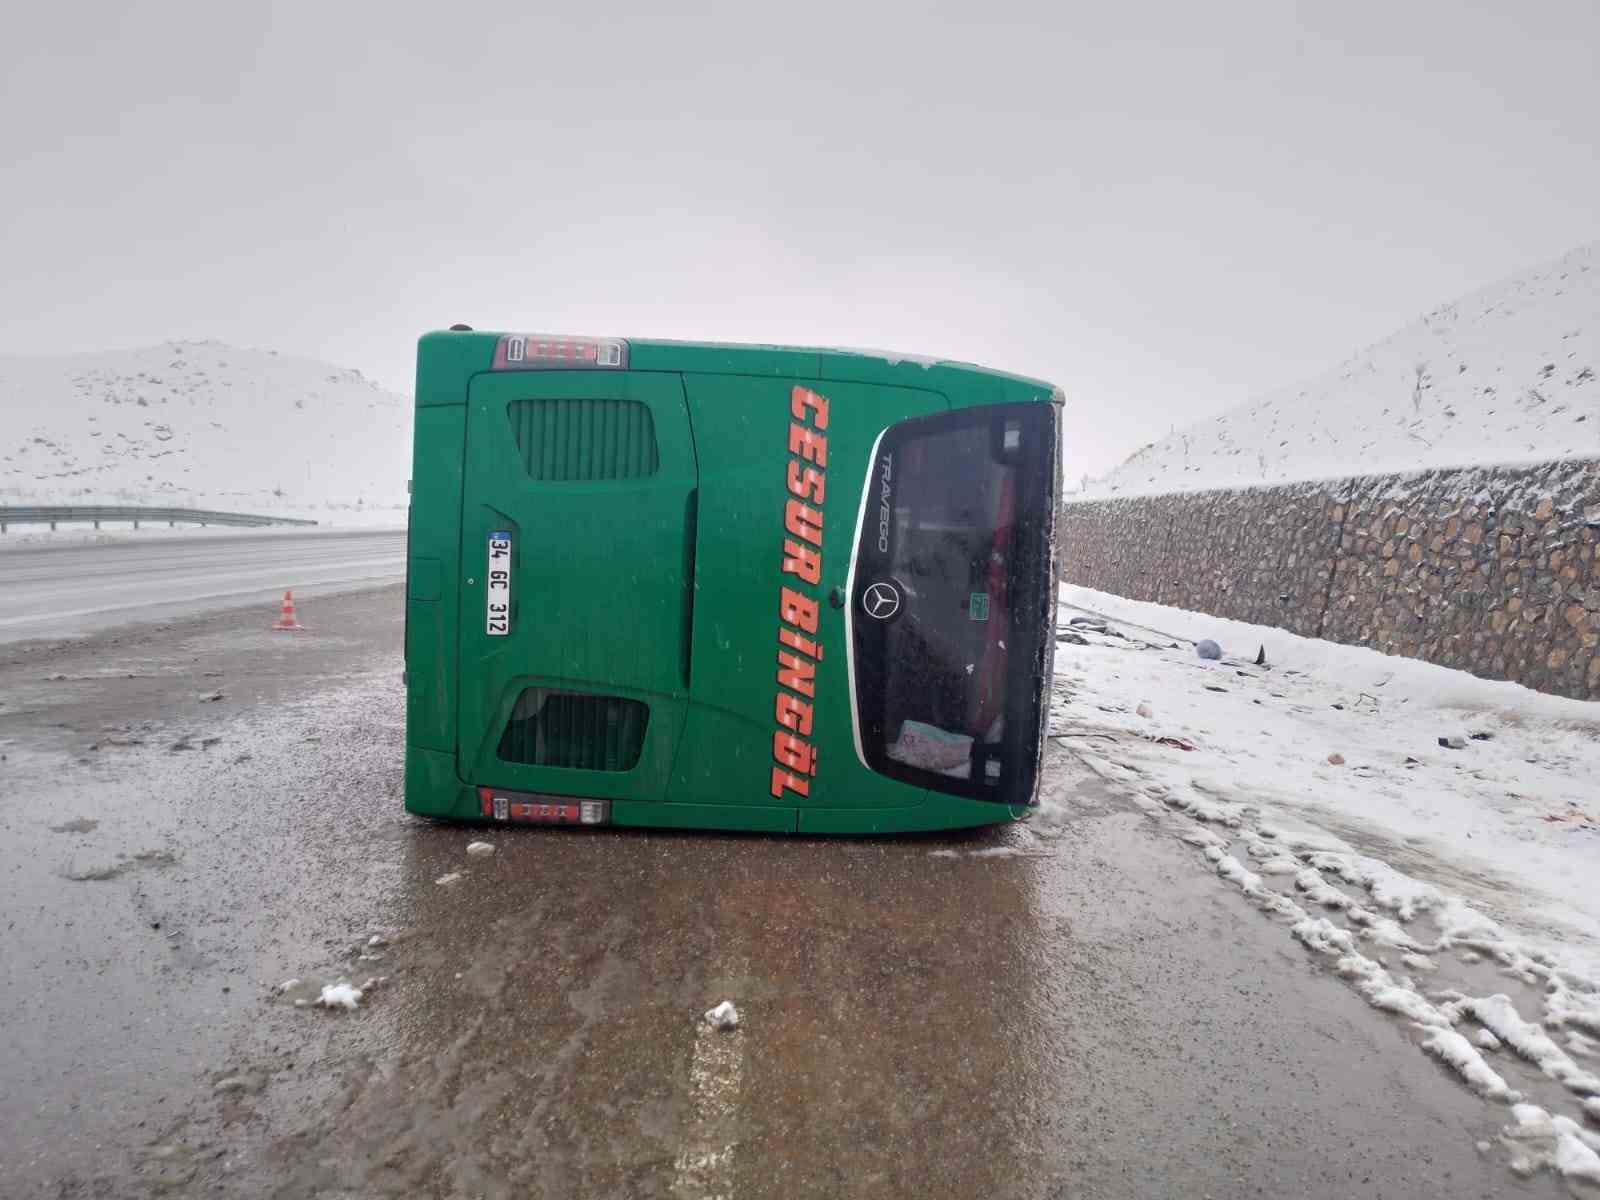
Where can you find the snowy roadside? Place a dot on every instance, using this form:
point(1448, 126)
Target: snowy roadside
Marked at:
point(1395, 816)
point(1511, 818)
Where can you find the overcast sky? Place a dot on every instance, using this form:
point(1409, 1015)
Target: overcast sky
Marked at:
point(1166, 208)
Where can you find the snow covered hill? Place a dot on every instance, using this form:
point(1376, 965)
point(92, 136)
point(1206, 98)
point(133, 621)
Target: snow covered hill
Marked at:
point(204, 425)
point(1507, 374)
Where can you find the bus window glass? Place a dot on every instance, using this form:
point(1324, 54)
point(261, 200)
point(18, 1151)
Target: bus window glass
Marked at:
point(946, 612)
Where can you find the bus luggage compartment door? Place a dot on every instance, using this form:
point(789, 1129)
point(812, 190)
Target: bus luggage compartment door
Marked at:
point(577, 554)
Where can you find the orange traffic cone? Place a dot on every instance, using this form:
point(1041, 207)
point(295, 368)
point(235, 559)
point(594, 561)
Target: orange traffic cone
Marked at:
point(286, 621)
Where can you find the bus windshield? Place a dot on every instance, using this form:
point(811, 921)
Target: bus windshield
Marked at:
point(951, 601)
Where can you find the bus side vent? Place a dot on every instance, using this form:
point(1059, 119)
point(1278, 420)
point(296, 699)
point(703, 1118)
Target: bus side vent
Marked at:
point(565, 441)
point(551, 728)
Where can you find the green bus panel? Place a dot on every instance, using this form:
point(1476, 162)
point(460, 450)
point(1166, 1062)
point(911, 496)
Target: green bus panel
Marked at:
point(433, 567)
point(742, 426)
point(600, 526)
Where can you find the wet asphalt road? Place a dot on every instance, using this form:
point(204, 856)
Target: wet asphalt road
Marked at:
point(58, 591)
point(1080, 1011)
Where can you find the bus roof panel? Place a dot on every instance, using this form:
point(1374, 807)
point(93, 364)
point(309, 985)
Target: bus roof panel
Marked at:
point(716, 358)
point(974, 384)
point(446, 360)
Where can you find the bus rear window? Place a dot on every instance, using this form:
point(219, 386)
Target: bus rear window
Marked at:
point(950, 599)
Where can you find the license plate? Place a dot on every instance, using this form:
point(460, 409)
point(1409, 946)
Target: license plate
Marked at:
point(497, 584)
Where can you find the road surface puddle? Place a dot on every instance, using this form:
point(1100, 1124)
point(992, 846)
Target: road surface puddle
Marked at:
point(145, 859)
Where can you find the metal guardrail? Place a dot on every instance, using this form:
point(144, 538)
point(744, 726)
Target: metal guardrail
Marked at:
point(78, 514)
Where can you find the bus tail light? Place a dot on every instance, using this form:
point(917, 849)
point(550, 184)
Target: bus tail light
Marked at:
point(544, 351)
point(534, 808)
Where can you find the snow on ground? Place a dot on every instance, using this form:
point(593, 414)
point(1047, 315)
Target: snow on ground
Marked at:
point(1514, 812)
point(1507, 374)
point(724, 1016)
point(204, 425)
point(1451, 888)
point(339, 995)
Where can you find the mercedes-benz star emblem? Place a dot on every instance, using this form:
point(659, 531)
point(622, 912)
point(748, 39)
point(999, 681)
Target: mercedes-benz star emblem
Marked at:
point(881, 601)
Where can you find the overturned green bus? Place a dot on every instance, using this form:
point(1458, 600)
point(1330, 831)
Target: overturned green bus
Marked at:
point(735, 587)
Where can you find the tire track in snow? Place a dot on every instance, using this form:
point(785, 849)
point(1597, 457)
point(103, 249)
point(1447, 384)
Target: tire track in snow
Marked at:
point(1536, 1139)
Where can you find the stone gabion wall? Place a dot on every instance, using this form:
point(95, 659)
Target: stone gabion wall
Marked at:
point(1491, 570)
